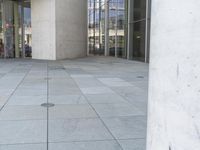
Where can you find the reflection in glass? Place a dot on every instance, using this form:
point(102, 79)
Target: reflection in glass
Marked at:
point(139, 40)
point(1, 31)
point(138, 34)
point(116, 27)
point(15, 29)
point(96, 17)
point(117, 24)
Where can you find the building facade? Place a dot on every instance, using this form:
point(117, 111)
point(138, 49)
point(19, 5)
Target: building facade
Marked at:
point(59, 29)
point(118, 28)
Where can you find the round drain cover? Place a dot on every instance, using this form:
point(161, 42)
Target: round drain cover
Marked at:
point(47, 105)
point(141, 77)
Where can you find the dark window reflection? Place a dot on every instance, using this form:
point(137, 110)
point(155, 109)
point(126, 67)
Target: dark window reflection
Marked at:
point(138, 29)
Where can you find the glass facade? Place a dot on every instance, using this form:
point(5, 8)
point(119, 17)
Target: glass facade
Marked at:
point(115, 28)
point(119, 28)
point(139, 30)
point(15, 29)
point(96, 26)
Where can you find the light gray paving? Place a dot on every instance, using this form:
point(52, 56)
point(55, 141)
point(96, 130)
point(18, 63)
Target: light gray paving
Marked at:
point(94, 145)
point(100, 103)
point(24, 147)
point(77, 130)
point(135, 144)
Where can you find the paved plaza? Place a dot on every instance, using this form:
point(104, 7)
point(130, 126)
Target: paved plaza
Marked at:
point(95, 103)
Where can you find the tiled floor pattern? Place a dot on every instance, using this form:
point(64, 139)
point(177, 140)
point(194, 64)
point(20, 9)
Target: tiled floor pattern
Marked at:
point(100, 104)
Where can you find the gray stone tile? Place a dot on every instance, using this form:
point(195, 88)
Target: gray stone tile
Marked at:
point(88, 82)
point(71, 111)
point(67, 99)
point(75, 71)
point(3, 99)
point(96, 145)
point(105, 98)
point(97, 90)
point(118, 109)
point(77, 130)
point(23, 113)
point(58, 90)
point(108, 83)
point(27, 100)
point(30, 92)
point(127, 127)
point(114, 82)
point(139, 101)
point(24, 147)
point(81, 76)
point(21, 132)
point(135, 144)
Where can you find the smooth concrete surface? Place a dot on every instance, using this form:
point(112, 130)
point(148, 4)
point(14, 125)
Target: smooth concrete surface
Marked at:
point(59, 29)
point(71, 28)
point(174, 90)
point(43, 21)
point(100, 104)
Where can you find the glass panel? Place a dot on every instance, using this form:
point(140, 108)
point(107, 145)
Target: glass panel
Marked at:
point(139, 10)
point(121, 27)
point(91, 32)
point(139, 40)
point(1, 31)
point(27, 29)
point(137, 29)
point(112, 27)
point(116, 27)
point(9, 29)
point(96, 27)
point(15, 28)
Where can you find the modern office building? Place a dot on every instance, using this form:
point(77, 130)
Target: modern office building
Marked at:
point(59, 29)
point(131, 29)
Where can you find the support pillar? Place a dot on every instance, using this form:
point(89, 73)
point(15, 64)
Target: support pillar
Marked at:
point(174, 89)
point(106, 28)
point(59, 29)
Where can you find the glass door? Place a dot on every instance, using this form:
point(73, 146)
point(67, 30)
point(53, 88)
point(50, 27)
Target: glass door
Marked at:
point(27, 32)
point(1, 31)
point(8, 25)
point(139, 29)
point(15, 29)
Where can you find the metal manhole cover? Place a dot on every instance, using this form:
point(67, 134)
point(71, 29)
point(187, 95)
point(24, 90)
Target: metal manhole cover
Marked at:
point(140, 77)
point(56, 68)
point(47, 105)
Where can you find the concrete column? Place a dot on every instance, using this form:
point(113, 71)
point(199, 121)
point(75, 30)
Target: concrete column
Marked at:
point(43, 29)
point(71, 28)
point(174, 90)
point(59, 29)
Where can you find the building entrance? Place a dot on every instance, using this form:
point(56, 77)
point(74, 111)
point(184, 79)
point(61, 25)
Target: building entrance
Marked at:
point(15, 29)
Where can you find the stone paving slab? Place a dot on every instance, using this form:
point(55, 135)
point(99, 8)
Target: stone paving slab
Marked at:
point(100, 103)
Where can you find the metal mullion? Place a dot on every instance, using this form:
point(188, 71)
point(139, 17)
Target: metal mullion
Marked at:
point(94, 18)
point(99, 25)
point(146, 30)
point(22, 26)
point(107, 28)
point(116, 31)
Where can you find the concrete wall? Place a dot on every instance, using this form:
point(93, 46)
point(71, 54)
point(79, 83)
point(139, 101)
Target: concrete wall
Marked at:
point(43, 29)
point(174, 90)
point(59, 29)
point(71, 28)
